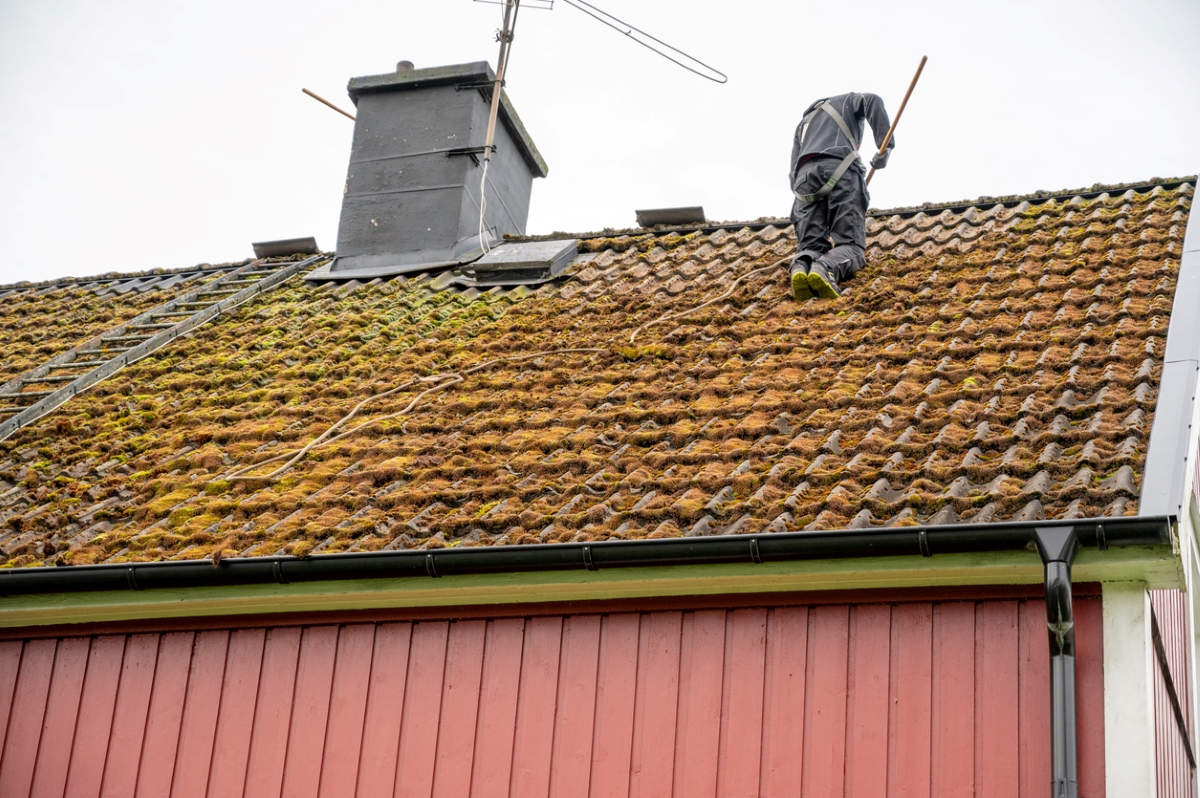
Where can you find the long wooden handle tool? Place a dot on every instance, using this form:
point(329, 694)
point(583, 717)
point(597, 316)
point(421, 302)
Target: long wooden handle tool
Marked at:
point(321, 99)
point(887, 139)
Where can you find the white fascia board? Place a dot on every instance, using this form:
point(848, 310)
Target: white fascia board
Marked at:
point(1169, 476)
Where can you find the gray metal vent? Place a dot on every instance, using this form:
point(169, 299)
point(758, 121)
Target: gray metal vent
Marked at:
point(411, 200)
point(672, 216)
point(522, 263)
point(286, 246)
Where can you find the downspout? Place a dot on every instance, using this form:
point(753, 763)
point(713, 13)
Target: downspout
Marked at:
point(1057, 547)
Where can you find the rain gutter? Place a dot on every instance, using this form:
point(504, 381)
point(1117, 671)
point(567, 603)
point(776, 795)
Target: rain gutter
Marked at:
point(927, 541)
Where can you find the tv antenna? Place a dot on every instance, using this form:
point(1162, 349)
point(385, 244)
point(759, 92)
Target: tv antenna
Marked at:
point(650, 42)
point(505, 37)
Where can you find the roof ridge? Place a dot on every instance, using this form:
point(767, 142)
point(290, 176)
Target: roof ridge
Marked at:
point(1038, 197)
point(159, 272)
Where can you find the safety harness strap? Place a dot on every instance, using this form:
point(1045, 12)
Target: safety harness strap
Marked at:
point(824, 190)
point(828, 108)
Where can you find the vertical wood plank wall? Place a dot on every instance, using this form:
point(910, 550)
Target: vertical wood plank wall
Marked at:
point(916, 699)
point(1174, 771)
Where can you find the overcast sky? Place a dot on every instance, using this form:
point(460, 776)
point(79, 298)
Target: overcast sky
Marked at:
point(137, 134)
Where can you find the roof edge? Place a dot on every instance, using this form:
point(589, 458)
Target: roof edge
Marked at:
point(107, 277)
point(1172, 451)
point(925, 541)
point(1036, 198)
point(1039, 197)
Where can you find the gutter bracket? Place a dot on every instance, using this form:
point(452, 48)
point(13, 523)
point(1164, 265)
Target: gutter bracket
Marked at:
point(755, 554)
point(1057, 547)
point(431, 568)
point(587, 558)
point(472, 152)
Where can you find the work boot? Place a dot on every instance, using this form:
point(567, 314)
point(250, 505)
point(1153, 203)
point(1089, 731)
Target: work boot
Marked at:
point(822, 282)
point(800, 289)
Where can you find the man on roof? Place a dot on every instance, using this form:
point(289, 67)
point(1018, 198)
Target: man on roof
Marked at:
point(828, 179)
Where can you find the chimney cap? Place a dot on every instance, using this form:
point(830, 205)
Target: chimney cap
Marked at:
point(477, 75)
point(405, 66)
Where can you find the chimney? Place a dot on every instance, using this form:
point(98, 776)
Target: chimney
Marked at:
point(411, 200)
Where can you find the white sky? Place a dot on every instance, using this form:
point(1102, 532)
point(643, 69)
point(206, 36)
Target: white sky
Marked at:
point(138, 134)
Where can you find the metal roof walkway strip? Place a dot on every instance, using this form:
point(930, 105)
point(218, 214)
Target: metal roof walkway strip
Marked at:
point(120, 356)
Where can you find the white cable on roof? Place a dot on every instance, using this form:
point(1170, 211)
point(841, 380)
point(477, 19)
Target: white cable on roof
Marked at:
point(483, 207)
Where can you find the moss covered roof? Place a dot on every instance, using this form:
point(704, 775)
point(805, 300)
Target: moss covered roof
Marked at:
point(994, 362)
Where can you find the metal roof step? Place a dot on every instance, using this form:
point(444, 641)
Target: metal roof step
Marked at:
point(25, 394)
point(57, 378)
point(78, 364)
point(133, 338)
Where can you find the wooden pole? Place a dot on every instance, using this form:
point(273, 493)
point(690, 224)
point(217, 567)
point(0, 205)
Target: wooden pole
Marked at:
point(888, 138)
point(511, 7)
point(510, 11)
point(321, 99)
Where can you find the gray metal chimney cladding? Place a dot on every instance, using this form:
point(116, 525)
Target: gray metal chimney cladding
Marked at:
point(412, 189)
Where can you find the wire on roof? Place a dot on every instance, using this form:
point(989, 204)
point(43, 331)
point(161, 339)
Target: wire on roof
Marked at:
point(439, 382)
point(732, 288)
point(655, 45)
point(444, 380)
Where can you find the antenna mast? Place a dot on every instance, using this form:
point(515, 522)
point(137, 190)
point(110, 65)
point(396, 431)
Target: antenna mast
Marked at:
point(505, 36)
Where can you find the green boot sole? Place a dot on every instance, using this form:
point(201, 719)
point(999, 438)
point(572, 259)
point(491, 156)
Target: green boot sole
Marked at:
point(821, 287)
point(800, 288)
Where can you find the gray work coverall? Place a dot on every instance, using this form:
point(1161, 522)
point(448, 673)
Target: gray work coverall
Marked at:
point(817, 148)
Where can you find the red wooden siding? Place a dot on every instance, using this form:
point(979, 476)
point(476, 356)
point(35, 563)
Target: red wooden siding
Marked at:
point(912, 700)
point(1174, 770)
